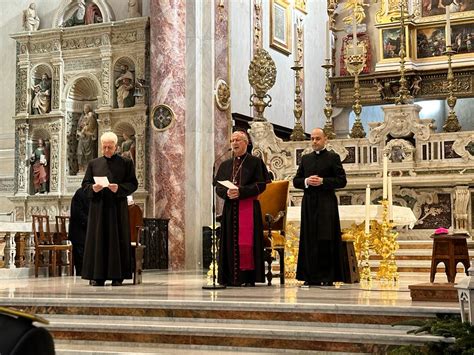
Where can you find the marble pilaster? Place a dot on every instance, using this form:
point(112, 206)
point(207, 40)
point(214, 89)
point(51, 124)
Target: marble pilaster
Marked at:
point(222, 119)
point(166, 174)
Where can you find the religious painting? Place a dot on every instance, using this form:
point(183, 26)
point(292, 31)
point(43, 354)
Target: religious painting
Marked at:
point(280, 26)
point(162, 117)
point(462, 38)
point(390, 43)
point(436, 7)
point(430, 42)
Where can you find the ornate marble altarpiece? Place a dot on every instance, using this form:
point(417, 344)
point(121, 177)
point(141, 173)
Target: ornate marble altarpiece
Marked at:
point(432, 172)
point(83, 63)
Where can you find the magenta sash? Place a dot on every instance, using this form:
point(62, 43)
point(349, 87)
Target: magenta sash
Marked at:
point(246, 233)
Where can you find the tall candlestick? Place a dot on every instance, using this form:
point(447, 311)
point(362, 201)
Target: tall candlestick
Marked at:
point(384, 177)
point(390, 198)
point(448, 26)
point(328, 42)
point(354, 35)
point(367, 209)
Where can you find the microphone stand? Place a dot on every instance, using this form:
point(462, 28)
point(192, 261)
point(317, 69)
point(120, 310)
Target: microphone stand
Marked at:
point(214, 285)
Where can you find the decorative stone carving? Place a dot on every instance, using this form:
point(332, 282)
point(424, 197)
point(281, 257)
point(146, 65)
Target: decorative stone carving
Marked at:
point(222, 95)
point(21, 89)
point(460, 213)
point(401, 121)
point(399, 150)
point(460, 148)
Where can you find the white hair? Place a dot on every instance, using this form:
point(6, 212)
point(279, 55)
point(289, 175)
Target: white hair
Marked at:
point(109, 137)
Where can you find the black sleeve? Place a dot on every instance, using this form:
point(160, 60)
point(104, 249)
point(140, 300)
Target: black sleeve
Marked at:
point(261, 179)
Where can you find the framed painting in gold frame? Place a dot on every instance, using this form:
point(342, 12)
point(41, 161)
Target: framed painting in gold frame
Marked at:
point(301, 6)
point(280, 25)
point(389, 44)
point(431, 41)
point(429, 11)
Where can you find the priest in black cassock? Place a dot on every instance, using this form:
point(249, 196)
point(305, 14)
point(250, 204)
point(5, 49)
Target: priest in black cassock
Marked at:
point(78, 227)
point(107, 249)
point(320, 258)
point(241, 260)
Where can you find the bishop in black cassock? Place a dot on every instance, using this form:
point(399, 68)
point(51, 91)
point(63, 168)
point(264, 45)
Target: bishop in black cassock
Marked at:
point(320, 260)
point(107, 249)
point(241, 260)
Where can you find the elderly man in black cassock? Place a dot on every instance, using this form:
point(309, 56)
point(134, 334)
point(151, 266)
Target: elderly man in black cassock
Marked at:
point(241, 261)
point(320, 260)
point(107, 249)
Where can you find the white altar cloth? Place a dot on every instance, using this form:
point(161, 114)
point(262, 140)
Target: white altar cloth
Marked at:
point(15, 227)
point(402, 216)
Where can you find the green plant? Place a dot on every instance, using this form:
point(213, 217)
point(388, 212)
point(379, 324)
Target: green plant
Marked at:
point(447, 326)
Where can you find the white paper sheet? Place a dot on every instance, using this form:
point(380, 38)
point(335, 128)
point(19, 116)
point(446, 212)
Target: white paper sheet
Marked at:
point(227, 184)
point(101, 180)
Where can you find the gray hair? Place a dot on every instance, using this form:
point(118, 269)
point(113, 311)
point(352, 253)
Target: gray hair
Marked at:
point(109, 137)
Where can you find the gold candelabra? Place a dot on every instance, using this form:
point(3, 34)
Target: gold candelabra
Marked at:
point(403, 96)
point(452, 123)
point(355, 61)
point(385, 244)
point(298, 131)
point(328, 125)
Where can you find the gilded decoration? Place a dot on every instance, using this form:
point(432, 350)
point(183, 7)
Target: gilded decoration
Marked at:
point(387, 10)
point(222, 95)
point(262, 76)
point(356, 10)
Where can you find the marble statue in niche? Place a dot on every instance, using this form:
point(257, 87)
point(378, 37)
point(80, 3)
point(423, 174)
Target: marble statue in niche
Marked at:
point(73, 119)
point(39, 160)
point(31, 21)
point(127, 147)
point(86, 137)
point(85, 14)
point(41, 102)
point(133, 9)
point(125, 86)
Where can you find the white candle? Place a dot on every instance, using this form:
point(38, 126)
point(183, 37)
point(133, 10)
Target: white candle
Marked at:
point(384, 177)
point(367, 209)
point(328, 42)
point(448, 27)
point(390, 198)
point(354, 34)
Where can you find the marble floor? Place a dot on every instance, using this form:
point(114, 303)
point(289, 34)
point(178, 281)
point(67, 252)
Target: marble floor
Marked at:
point(186, 286)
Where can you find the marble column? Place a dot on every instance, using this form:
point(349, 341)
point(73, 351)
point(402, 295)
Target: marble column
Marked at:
point(222, 119)
point(166, 173)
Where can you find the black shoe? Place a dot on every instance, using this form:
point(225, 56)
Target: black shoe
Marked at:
point(305, 285)
point(117, 282)
point(97, 282)
point(249, 284)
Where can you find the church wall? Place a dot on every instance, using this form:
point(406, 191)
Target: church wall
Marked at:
point(281, 111)
point(240, 22)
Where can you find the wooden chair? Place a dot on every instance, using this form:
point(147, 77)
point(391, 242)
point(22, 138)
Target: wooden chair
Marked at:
point(44, 243)
point(135, 216)
point(61, 235)
point(274, 203)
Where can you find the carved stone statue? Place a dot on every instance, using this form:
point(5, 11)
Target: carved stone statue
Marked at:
point(41, 102)
point(133, 9)
point(125, 85)
point(31, 21)
point(86, 137)
point(127, 148)
point(39, 163)
point(78, 17)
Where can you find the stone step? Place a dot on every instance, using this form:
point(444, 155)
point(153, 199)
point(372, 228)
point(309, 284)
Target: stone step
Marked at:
point(80, 347)
point(268, 334)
